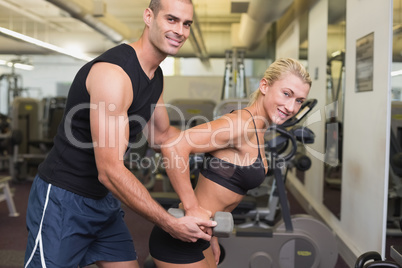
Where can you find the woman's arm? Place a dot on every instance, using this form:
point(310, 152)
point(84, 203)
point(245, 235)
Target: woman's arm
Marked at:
point(216, 135)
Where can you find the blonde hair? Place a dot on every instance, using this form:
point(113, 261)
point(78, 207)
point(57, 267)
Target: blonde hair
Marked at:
point(278, 69)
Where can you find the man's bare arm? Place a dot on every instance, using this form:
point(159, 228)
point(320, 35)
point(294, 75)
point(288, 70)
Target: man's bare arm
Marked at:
point(110, 92)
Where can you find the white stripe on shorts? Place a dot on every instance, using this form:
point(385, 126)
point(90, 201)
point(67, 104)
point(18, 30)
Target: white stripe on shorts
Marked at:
point(38, 239)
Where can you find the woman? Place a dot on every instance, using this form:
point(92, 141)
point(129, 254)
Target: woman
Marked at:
point(234, 160)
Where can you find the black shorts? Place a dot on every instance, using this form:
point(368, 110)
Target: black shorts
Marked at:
point(163, 247)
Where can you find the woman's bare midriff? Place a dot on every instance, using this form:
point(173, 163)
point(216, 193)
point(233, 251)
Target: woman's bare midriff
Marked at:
point(214, 197)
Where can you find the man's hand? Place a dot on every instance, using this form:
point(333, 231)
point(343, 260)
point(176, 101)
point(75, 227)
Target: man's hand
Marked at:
point(201, 213)
point(188, 229)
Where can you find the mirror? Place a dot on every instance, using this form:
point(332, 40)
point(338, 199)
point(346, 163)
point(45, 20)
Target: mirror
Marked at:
point(334, 105)
point(303, 36)
point(303, 58)
point(395, 168)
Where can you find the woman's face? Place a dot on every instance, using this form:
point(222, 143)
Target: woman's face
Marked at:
point(283, 99)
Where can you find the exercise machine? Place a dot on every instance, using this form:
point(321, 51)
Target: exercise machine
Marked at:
point(186, 113)
point(14, 89)
point(30, 148)
point(395, 187)
point(334, 124)
point(295, 241)
point(234, 81)
point(395, 171)
point(26, 142)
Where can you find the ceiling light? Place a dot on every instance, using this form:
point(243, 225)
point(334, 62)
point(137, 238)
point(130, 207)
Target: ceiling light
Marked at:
point(22, 66)
point(395, 73)
point(40, 43)
point(17, 65)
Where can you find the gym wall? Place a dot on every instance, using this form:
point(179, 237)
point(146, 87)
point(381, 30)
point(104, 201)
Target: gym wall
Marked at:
point(367, 128)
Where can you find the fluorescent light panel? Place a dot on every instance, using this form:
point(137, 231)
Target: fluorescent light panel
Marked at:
point(40, 43)
point(21, 66)
point(395, 73)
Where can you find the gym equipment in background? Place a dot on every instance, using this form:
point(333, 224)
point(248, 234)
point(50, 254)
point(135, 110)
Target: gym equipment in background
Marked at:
point(186, 113)
point(5, 194)
point(26, 120)
point(395, 171)
point(234, 80)
point(14, 89)
point(372, 259)
point(53, 111)
point(33, 125)
point(234, 92)
point(334, 123)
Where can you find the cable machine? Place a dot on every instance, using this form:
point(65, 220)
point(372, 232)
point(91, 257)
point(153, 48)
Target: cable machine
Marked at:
point(234, 82)
point(14, 89)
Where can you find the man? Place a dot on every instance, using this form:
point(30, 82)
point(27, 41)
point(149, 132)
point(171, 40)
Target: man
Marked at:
point(74, 216)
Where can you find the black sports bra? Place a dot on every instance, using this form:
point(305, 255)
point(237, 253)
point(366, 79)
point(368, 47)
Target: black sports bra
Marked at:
point(238, 179)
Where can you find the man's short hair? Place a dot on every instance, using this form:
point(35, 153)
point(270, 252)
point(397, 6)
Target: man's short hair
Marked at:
point(156, 5)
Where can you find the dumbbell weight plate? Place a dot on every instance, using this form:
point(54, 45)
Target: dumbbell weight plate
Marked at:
point(176, 212)
point(225, 224)
point(224, 221)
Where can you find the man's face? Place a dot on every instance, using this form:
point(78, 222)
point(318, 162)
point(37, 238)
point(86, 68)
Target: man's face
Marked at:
point(170, 28)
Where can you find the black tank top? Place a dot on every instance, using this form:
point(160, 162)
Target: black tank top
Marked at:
point(71, 162)
point(238, 179)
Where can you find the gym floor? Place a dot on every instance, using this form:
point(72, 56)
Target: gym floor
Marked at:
point(13, 233)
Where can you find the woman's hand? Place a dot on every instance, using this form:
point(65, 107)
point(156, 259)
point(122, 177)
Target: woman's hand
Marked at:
point(216, 250)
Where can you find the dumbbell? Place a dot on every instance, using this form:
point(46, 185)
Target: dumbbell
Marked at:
point(224, 221)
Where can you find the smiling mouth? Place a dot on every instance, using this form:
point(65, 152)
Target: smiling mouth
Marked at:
point(282, 114)
point(174, 41)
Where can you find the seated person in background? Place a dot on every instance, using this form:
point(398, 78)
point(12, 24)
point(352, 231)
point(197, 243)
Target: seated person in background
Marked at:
point(234, 160)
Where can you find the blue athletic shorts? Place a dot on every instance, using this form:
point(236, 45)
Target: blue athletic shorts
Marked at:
point(68, 230)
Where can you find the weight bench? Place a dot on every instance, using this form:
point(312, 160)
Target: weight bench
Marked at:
point(6, 195)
